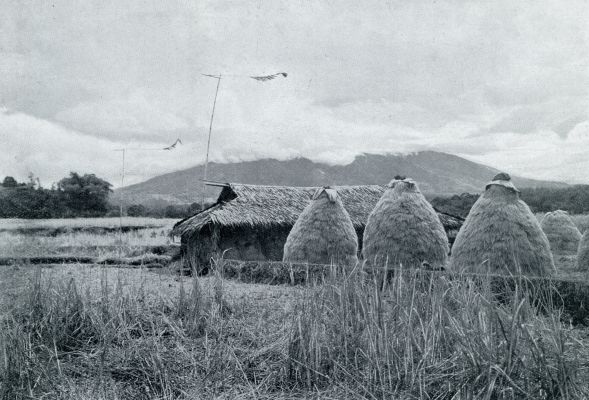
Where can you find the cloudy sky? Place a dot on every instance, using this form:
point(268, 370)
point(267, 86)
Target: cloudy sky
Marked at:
point(500, 82)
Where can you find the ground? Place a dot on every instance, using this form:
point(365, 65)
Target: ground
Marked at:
point(163, 283)
point(88, 331)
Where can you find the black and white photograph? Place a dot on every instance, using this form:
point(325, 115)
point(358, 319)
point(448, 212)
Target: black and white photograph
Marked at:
point(302, 199)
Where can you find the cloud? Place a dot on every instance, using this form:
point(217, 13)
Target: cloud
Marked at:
point(494, 81)
point(559, 115)
point(131, 117)
point(544, 155)
point(50, 151)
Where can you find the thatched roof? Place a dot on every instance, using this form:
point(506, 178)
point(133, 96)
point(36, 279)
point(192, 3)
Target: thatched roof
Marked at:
point(561, 231)
point(323, 233)
point(403, 229)
point(583, 253)
point(502, 235)
point(241, 205)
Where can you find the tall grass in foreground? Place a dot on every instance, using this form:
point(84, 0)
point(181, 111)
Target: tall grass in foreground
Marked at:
point(115, 342)
point(419, 336)
point(427, 335)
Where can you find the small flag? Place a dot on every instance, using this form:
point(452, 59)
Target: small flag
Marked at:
point(172, 146)
point(269, 77)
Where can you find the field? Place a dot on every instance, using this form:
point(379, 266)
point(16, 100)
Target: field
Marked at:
point(101, 331)
point(100, 237)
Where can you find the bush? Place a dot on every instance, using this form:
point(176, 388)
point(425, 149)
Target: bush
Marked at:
point(137, 210)
point(75, 196)
point(574, 199)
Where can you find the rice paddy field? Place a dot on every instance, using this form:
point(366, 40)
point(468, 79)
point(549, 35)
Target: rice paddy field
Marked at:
point(82, 236)
point(129, 330)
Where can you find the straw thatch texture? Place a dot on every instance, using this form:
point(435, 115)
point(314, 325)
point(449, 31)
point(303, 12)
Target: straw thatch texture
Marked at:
point(501, 235)
point(562, 233)
point(583, 252)
point(265, 206)
point(323, 233)
point(261, 207)
point(253, 222)
point(403, 229)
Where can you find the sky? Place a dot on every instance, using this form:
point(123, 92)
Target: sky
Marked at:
point(498, 82)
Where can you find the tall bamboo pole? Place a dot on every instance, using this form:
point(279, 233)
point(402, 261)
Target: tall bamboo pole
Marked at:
point(204, 185)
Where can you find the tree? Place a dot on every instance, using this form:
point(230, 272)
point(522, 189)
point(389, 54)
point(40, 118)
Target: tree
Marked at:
point(33, 182)
point(175, 211)
point(136, 210)
point(193, 208)
point(9, 182)
point(27, 202)
point(85, 195)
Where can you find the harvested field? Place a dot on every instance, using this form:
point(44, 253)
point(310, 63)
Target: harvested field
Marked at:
point(104, 332)
point(41, 226)
point(126, 329)
point(90, 237)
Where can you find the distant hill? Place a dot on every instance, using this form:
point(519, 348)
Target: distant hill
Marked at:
point(436, 173)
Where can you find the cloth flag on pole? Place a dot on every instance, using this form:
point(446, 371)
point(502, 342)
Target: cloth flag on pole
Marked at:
point(173, 145)
point(265, 78)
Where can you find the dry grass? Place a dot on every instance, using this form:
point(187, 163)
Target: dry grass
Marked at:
point(88, 237)
point(12, 224)
point(434, 337)
point(82, 243)
point(88, 332)
point(501, 235)
point(580, 220)
point(561, 231)
point(79, 332)
point(323, 233)
point(74, 332)
point(404, 229)
point(583, 253)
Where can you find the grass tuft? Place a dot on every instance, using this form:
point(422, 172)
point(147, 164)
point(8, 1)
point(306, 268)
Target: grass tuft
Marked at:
point(418, 335)
point(431, 336)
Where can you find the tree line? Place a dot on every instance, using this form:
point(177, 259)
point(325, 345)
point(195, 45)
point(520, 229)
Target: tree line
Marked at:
point(169, 211)
point(73, 196)
point(574, 199)
point(88, 196)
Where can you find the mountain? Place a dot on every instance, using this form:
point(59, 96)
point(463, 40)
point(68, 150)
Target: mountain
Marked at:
point(436, 173)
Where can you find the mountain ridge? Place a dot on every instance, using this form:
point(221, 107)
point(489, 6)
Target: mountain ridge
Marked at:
point(436, 173)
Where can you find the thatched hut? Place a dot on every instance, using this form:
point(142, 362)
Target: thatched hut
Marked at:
point(404, 230)
point(583, 252)
point(562, 233)
point(323, 233)
point(252, 222)
point(501, 235)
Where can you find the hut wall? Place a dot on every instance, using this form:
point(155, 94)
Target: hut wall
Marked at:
point(272, 242)
point(197, 249)
point(250, 244)
point(240, 244)
point(247, 244)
